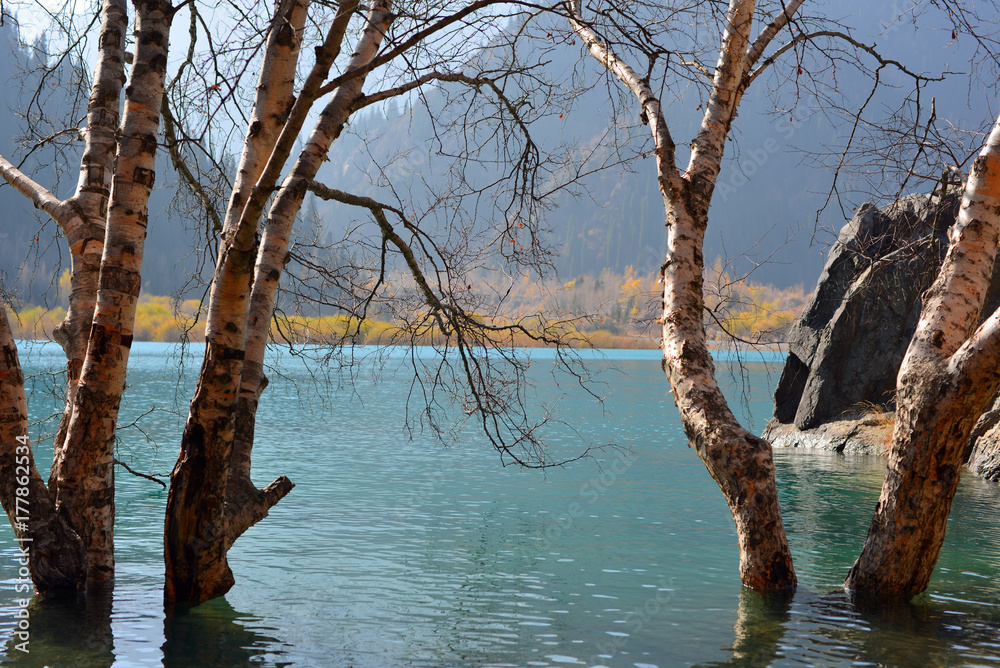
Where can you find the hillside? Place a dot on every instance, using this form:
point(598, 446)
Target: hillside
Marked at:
point(763, 216)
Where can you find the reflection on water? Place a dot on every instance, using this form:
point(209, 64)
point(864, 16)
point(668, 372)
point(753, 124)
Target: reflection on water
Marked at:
point(214, 634)
point(394, 551)
point(66, 633)
point(833, 630)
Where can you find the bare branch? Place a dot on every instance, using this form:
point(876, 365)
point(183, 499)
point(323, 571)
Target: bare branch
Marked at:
point(836, 34)
point(39, 195)
point(169, 134)
point(768, 33)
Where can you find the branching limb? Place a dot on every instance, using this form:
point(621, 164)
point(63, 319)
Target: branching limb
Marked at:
point(416, 38)
point(38, 194)
point(709, 144)
point(650, 110)
point(770, 31)
point(836, 34)
point(139, 474)
point(180, 164)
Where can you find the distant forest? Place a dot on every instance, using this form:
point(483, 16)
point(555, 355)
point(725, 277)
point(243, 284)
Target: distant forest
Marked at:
point(610, 310)
point(764, 217)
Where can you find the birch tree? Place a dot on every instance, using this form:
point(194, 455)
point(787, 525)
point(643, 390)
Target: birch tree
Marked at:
point(362, 56)
point(104, 223)
point(947, 378)
point(740, 462)
point(212, 500)
point(946, 381)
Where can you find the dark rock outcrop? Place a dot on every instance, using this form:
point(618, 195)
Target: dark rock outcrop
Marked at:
point(983, 454)
point(837, 388)
point(846, 347)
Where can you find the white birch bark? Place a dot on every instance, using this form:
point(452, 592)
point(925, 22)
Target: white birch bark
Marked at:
point(59, 564)
point(196, 537)
point(740, 462)
point(245, 504)
point(81, 216)
point(85, 465)
point(946, 381)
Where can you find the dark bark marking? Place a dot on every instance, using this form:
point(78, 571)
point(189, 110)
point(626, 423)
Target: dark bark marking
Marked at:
point(125, 281)
point(285, 34)
point(143, 176)
point(230, 353)
point(154, 37)
point(148, 144)
point(111, 39)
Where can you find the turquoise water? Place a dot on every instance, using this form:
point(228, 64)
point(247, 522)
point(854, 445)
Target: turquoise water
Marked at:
point(395, 551)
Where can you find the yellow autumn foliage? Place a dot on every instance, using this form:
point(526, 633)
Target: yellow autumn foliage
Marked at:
point(626, 305)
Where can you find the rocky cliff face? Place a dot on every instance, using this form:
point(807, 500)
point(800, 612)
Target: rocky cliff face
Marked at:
point(845, 349)
point(983, 455)
point(837, 388)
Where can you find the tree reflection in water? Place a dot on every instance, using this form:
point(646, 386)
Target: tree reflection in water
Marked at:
point(66, 633)
point(214, 634)
point(838, 629)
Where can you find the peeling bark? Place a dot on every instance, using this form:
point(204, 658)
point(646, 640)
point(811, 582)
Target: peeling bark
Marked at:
point(49, 547)
point(740, 462)
point(58, 565)
point(85, 465)
point(204, 517)
point(245, 505)
point(86, 210)
point(946, 381)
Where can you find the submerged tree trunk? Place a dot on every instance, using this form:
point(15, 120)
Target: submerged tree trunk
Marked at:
point(740, 462)
point(946, 381)
point(59, 564)
point(50, 549)
point(195, 529)
point(204, 516)
point(85, 466)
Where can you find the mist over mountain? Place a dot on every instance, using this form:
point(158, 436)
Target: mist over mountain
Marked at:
point(764, 211)
point(773, 211)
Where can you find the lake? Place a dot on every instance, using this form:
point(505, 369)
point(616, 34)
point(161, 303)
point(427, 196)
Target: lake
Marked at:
point(393, 550)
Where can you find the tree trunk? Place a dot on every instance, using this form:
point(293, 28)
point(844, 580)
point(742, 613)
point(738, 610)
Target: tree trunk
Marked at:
point(85, 466)
point(81, 217)
point(197, 536)
point(274, 100)
point(50, 550)
point(58, 564)
point(946, 381)
point(86, 210)
point(245, 504)
point(740, 462)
